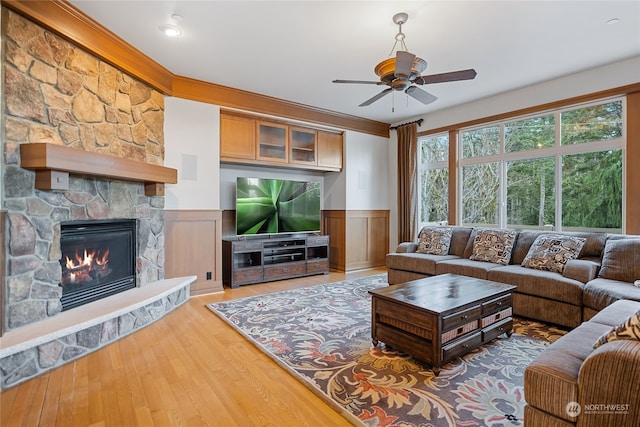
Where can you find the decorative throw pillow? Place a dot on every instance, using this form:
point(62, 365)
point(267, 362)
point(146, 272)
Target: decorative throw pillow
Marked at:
point(551, 252)
point(493, 246)
point(434, 240)
point(621, 260)
point(627, 330)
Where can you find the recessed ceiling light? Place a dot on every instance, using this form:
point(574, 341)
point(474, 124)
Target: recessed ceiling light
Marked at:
point(613, 21)
point(170, 30)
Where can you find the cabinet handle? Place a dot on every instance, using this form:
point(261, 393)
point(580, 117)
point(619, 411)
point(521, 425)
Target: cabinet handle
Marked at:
point(465, 317)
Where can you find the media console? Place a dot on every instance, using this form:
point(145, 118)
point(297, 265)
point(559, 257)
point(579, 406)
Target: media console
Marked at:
point(249, 260)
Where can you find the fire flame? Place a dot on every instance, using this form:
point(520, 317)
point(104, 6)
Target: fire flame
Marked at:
point(80, 266)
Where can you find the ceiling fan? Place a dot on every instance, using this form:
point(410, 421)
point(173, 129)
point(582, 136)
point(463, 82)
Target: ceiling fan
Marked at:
point(403, 72)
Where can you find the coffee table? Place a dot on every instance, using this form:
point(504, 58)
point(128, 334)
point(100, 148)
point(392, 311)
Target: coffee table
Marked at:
point(440, 318)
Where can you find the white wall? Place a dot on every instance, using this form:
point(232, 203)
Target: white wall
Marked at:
point(192, 146)
point(366, 172)
point(594, 80)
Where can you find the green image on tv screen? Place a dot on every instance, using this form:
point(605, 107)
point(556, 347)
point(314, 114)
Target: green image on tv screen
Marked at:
point(267, 206)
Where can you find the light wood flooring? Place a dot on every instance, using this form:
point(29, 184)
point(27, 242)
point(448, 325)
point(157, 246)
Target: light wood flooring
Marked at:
point(187, 369)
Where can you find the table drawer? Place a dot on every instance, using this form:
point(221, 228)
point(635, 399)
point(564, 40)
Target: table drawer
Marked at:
point(398, 311)
point(459, 331)
point(496, 305)
point(317, 266)
point(461, 346)
point(249, 275)
point(497, 329)
point(461, 317)
point(284, 270)
point(493, 318)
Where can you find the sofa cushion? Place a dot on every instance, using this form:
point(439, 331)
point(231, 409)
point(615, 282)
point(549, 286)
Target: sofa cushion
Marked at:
point(551, 252)
point(614, 314)
point(465, 267)
point(539, 283)
point(434, 240)
point(627, 330)
point(599, 293)
point(416, 262)
point(493, 246)
point(459, 240)
point(621, 260)
point(592, 248)
point(581, 270)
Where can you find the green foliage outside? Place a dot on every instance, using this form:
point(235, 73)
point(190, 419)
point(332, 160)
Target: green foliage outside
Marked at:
point(591, 182)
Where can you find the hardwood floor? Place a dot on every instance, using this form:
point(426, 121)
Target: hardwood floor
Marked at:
point(187, 369)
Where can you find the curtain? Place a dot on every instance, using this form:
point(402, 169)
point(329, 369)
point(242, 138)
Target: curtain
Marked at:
point(407, 182)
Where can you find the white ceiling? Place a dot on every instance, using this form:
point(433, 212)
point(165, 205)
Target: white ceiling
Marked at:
point(294, 49)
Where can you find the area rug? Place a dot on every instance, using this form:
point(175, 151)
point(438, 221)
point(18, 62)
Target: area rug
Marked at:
point(322, 336)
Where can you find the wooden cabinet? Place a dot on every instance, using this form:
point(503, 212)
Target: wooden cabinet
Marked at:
point(272, 142)
point(261, 259)
point(237, 137)
point(247, 139)
point(330, 150)
point(302, 146)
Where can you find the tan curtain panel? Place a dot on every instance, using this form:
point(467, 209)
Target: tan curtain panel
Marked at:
point(407, 182)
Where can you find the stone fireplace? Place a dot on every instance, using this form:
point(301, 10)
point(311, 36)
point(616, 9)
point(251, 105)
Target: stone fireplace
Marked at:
point(55, 93)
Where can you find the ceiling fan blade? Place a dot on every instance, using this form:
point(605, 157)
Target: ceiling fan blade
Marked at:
point(404, 63)
point(375, 98)
point(447, 77)
point(420, 95)
point(364, 82)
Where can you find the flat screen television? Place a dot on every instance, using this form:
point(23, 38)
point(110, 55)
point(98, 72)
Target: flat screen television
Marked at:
point(270, 206)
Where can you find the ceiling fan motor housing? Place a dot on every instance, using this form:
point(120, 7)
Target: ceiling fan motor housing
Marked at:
point(386, 69)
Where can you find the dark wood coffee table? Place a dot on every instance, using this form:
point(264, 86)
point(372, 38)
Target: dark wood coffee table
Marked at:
point(440, 318)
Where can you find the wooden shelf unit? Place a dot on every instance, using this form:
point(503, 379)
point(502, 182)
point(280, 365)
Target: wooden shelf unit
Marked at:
point(255, 259)
point(246, 139)
point(53, 164)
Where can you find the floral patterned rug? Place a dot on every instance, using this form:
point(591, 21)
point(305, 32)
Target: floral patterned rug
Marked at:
point(322, 335)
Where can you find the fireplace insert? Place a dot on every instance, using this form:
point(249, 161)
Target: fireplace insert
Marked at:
point(98, 259)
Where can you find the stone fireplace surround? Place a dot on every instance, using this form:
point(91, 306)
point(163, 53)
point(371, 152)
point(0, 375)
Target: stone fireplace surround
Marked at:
point(59, 94)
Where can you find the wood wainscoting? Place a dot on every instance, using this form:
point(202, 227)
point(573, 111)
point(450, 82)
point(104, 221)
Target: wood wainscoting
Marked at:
point(358, 238)
point(193, 246)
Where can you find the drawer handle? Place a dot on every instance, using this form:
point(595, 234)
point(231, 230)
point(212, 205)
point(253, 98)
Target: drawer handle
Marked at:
point(499, 303)
point(285, 270)
point(465, 346)
point(497, 316)
point(460, 331)
point(465, 317)
point(501, 328)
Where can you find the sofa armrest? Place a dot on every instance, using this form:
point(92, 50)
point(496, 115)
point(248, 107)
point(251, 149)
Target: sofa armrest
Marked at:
point(609, 376)
point(580, 270)
point(406, 247)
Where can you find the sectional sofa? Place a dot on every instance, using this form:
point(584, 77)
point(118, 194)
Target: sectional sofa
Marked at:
point(603, 271)
point(585, 281)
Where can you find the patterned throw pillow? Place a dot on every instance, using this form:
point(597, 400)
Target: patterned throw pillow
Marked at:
point(627, 330)
point(493, 246)
point(551, 252)
point(434, 240)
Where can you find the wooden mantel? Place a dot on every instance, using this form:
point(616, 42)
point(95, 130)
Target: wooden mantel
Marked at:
point(53, 164)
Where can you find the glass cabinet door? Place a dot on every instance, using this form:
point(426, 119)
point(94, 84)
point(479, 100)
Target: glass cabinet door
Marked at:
point(272, 142)
point(302, 144)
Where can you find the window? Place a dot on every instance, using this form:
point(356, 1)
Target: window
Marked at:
point(560, 170)
point(433, 175)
